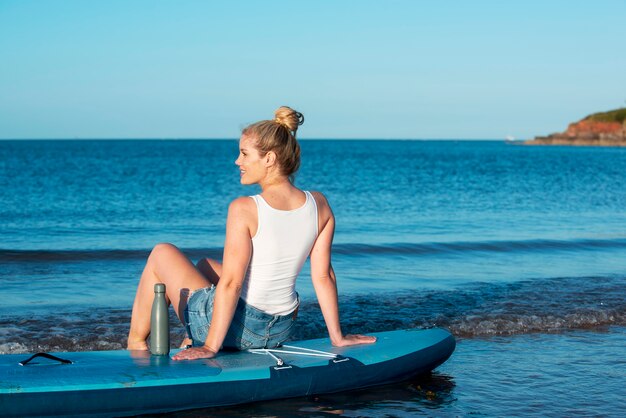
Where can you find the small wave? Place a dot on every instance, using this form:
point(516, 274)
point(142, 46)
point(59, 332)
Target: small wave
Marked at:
point(478, 310)
point(482, 310)
point(479, 246)
point(13, 348)
point(346, 249)
point(506, 324)
point(26, 256)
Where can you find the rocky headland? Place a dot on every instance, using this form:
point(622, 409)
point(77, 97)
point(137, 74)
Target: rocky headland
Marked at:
point(599, 129)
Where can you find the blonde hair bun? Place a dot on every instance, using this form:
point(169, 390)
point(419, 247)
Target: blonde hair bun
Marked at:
point(289, 118)
point(279, 136)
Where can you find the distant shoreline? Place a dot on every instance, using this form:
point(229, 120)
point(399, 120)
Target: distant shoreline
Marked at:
point(574, 142)
point(603, 129)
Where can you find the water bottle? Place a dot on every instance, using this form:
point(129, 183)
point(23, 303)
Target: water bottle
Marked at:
point(159, 323)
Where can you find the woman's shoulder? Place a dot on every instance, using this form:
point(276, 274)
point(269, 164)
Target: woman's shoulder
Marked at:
point(320, 199)
point(323, 207)
point(242, 205)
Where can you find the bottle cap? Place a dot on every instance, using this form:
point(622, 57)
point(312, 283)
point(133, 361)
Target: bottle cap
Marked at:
point(159, 288)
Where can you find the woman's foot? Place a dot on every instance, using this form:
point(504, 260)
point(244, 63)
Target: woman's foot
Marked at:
point(137, 345)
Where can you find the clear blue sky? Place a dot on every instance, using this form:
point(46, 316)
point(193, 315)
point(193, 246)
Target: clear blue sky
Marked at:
point(356, 69)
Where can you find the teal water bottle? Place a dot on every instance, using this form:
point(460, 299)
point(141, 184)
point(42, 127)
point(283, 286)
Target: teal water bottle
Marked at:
point(159, 323)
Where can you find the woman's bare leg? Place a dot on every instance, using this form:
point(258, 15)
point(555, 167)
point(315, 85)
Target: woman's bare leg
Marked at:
point(211, 270)
point(166, 264)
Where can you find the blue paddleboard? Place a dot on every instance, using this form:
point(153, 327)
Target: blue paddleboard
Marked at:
point(118, 383)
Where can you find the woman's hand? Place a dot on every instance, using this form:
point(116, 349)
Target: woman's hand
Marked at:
point(194, 353)
point(350, 339)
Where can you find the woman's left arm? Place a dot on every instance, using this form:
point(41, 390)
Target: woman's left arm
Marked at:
point(325, 281)
point(237, 253)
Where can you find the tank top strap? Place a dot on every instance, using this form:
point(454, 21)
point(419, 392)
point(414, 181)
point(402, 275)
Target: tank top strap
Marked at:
point(311, 199)
point(258, 201)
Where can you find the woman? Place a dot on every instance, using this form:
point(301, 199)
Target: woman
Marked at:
point(249, 301)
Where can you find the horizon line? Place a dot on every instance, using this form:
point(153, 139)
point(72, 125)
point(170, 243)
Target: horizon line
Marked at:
point(234, 139)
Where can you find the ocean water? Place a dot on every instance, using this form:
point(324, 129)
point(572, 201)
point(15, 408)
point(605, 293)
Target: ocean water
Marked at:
point(519, 251)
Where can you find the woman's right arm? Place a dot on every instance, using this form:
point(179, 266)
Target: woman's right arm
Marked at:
point(324, 280)
point(237, 253)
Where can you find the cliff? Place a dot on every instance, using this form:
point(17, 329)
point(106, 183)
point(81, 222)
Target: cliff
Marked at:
point(600, 129)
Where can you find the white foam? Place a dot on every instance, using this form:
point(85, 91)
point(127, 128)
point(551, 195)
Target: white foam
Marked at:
point(13, 348)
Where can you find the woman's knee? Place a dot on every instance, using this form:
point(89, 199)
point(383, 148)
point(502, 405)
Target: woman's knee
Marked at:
point(163, 251)
point(164, 247)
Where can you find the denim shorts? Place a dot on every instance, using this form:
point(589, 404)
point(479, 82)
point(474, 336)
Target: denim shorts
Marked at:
point(250, 328)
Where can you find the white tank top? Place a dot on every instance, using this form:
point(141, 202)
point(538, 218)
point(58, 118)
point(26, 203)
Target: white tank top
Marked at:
point(281, 245)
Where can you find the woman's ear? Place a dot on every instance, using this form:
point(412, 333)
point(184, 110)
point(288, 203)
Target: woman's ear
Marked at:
point(270, 159)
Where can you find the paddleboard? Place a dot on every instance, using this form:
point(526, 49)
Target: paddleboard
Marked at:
point(122, 383)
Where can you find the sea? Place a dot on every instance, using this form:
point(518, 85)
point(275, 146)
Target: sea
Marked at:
point(519, 251)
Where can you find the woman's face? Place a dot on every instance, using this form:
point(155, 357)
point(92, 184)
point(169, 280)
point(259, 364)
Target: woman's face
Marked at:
point(251, 165)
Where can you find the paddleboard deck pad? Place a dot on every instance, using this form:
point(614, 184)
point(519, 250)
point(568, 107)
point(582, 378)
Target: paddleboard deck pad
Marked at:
point(121, 383)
